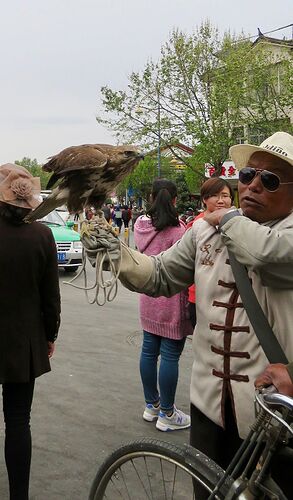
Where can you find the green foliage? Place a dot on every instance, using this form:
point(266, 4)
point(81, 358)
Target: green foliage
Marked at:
point(146, 172)
point(193, 178)
point(141, 179)
point(35, 169)
point(205, 90)
point(183, 197)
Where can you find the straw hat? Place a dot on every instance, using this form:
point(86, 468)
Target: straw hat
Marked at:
point(18, 187)
point(279, 144)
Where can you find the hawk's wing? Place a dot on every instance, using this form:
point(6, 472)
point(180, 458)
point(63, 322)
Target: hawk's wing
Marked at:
point(74, 158)
point(87, 173)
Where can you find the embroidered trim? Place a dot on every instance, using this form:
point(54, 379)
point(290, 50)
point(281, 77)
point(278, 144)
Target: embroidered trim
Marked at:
point(227, 285)
point(228, 328)
point(226, 377)
point(217, 303)
point(233, 354)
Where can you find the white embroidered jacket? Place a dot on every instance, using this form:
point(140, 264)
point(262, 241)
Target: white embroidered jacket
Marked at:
point(227, 354)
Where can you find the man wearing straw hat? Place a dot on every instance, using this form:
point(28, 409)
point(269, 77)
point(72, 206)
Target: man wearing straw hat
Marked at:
point(227, 353)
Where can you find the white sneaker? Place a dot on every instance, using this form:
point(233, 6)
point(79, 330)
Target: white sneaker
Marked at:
point(151, 412)
point(178, 420)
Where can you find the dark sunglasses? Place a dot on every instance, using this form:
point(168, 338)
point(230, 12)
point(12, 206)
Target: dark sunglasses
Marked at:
point(270, 181)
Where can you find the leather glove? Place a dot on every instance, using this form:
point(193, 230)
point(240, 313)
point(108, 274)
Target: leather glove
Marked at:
point(133, 268)
point(98, 237)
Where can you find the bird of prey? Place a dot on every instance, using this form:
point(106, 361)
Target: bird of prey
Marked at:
point(86, 175)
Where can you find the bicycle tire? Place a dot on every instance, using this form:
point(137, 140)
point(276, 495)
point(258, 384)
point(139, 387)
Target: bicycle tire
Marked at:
point(153, 469)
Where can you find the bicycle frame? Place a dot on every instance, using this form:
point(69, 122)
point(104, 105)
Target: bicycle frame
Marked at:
point(250, 468)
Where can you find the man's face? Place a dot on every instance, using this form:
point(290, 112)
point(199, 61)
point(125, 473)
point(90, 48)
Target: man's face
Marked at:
point(261, 205)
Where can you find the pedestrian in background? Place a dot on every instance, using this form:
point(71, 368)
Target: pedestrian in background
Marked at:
point(118, 217)
point(126, 215)
point(30, 315)
point(134, 216)
point(89, 214)
point(107, 212)
point(165, 321)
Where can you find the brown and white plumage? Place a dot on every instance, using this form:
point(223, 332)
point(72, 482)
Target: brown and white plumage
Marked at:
point(87, 174)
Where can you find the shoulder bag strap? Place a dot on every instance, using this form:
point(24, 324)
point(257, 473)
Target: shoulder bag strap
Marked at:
point(264, 332)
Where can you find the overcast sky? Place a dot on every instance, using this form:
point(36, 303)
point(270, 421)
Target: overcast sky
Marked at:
point(56, 54)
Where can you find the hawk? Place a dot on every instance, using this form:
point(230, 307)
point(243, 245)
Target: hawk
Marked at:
point(86, 175)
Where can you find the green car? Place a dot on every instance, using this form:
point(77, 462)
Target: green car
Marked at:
point(69, 247)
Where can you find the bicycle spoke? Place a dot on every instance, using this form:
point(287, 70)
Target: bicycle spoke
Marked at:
point(174, 479)
point(139, 478)
point(116, 477)
point(163, 478)
point(164, 472)
point(148, 476)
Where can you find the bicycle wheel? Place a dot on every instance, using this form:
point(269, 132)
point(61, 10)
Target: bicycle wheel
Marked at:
point(153, 469)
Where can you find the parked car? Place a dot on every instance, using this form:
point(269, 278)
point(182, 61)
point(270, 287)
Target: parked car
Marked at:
point(69, 247)
point(63, 212)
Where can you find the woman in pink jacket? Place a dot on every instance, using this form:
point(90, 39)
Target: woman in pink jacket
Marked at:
point(165, 321)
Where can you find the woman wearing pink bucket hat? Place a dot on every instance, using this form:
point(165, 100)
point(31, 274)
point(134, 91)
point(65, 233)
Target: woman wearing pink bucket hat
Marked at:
point(29, 323)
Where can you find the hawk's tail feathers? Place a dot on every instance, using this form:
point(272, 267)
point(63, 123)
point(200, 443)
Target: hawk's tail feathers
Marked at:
point(43, 209)
point(53, 179)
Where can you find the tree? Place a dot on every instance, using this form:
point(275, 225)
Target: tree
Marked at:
point(205, 90)
point(141, 180)
point(183, 197)
point(35, 169)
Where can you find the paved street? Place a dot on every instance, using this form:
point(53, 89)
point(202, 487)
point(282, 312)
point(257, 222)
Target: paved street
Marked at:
point(92, 400)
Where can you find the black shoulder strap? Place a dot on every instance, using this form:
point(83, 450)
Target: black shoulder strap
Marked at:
point(264, 332)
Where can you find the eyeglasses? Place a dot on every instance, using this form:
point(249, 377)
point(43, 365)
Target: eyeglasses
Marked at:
point(220, 196)
point(270, 181)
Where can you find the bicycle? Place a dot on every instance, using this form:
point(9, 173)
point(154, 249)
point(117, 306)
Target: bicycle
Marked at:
point(153, 469)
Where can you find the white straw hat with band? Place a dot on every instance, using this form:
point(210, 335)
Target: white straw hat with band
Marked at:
point(279, 144)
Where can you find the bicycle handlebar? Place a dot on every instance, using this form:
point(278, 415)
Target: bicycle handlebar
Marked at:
point(270, 398)
point(279, 400)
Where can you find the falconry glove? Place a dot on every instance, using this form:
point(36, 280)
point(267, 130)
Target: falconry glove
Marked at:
point(131, 267)
point(105, 252)
point(98, 237)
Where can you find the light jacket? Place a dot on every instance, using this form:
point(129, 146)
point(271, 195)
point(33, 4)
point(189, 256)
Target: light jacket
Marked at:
point(167, 317)
point(227, 355)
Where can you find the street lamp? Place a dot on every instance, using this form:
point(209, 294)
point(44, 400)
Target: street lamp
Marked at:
point(159, 137)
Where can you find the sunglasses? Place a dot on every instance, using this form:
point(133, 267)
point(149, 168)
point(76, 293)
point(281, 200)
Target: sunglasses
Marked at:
point(270, 181)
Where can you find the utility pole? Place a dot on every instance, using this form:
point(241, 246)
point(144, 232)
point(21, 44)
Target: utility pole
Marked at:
point(159, 132)
point(159, 139)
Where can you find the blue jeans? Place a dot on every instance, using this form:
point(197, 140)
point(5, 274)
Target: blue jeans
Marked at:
point(170, 351)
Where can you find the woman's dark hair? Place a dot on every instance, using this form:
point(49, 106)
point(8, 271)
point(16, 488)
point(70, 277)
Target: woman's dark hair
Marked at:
point(214, 186)
point(162, 211)
point(14, 214)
